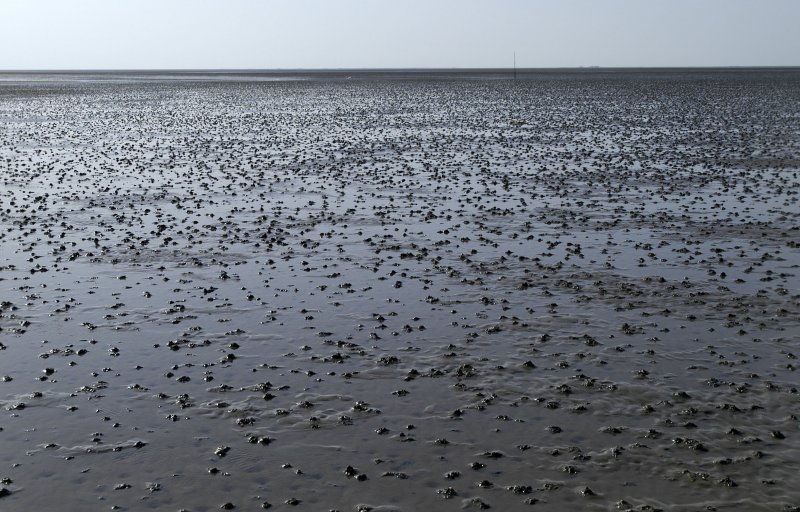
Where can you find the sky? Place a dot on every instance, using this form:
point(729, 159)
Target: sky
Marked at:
point(332, 34)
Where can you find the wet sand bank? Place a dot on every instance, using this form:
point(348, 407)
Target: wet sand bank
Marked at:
point(569, 291)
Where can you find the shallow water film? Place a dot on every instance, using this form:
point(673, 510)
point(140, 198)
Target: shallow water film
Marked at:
point(577, 290)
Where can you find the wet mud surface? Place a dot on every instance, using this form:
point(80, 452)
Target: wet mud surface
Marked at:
point(576, 291)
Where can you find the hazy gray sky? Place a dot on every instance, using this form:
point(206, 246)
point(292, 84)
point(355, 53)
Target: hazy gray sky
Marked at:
point(126, 34)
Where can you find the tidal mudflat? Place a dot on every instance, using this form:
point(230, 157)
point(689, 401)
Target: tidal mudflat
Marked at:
point(400, 292)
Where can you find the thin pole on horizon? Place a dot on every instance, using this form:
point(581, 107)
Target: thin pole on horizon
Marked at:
point(515, 66)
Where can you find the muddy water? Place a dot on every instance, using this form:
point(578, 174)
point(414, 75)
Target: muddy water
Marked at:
point(575, 291)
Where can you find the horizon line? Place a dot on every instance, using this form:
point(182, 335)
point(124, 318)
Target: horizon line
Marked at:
point(391, 69)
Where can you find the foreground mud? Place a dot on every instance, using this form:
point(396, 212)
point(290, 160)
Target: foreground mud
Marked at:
point(573, 291)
